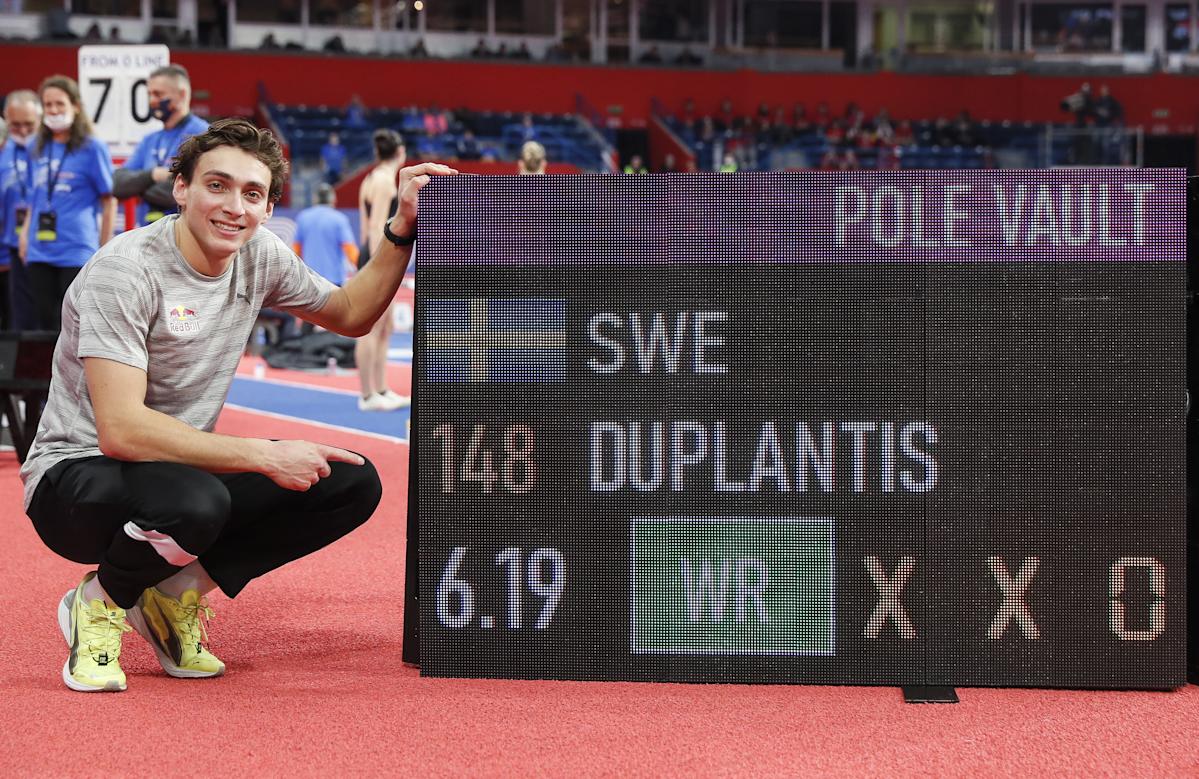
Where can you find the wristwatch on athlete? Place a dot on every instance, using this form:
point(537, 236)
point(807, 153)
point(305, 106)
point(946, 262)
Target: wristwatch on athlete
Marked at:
point(397, 240)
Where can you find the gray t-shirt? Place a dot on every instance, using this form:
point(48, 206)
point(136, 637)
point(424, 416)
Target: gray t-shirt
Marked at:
point(138, 302)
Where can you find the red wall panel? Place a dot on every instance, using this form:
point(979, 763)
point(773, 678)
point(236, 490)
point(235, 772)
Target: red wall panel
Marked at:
point(230, 79)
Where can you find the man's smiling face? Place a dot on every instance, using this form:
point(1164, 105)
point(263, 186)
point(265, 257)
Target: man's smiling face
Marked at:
point(225, 201)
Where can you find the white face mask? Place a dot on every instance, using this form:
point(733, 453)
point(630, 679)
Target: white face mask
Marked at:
point(20, 140)
point(59, 122)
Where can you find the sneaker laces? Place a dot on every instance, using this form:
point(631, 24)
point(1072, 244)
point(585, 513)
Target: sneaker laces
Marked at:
point(193, 615)
point(102, 631)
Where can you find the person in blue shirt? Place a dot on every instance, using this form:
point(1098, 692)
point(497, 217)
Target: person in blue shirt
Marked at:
point(333, 158)
point(72, 208)
point(325, 241)
point(356, 114)
point(23, 114)
point(146, 174)
point(324, 238)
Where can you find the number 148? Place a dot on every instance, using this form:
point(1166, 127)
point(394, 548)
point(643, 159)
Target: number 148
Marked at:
point(512, 468)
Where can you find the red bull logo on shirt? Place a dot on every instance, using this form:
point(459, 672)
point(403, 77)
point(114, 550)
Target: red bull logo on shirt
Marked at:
point(183, 320)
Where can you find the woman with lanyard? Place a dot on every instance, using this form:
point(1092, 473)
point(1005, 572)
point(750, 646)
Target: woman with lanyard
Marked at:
point(72, 192)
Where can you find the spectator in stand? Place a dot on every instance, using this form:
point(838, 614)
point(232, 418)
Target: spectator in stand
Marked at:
point(799, 120)
point(468, 146)
point(93, 34)
point(71, 208)
point(436, 122)
point(355, 116)
point(557, 53)
point(23, 116)
point(727, 119)
point(532, 159)
point(480, 51)
point(333, 159)
point(903, 134)
point(839, 158)
point(688, 113)
point(781, 131)
point(834, 133)
point(964, 131)
point(1082, 105)
point(651, 56)
point(781, 119)
point(884, 132)
point(502, 51)
point(728, 164)
point(855, 125)
point(1109, 121)
point(418, 49)
point(146, 174)
point(705, 143)
point(688, 58)
point(114, 35)
point(866, 136)
point(944, 133)
point(668, 164)
point(636, 165)
point(764, 138)
point(528, 130)
point(521, 52)
point(1107, 110)
point(889, 158)
point(823, 118)
point(269, 43)
point(689, 131)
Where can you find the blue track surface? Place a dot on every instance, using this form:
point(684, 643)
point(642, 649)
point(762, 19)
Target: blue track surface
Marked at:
point(330, 408)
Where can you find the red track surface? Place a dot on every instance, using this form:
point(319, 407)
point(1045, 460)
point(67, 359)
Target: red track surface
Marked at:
point(315, 687)
point(399, 375)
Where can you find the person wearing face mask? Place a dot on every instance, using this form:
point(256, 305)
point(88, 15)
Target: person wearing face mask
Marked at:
point(23, 113)
point(72, 193)
point(146, 174)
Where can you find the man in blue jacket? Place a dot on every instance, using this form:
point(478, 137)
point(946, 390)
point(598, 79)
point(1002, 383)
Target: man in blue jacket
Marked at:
point(146, 174)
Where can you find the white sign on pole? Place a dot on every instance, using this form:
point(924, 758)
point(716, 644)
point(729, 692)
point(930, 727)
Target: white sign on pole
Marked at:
point(113, 82)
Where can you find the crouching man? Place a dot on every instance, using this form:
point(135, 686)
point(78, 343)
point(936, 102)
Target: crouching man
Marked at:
point(125, 472)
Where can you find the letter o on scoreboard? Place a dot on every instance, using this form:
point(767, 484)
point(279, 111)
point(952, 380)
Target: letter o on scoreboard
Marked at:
point(887, 428)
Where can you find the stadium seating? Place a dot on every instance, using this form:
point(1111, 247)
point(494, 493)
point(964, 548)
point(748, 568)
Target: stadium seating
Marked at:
point(566, 137)
point(999, 144)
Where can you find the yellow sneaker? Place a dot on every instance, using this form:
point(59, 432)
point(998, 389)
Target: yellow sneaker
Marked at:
point(175, 628)
point(93, 631)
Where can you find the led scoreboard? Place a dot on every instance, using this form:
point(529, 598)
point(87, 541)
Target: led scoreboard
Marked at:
point(871, 428)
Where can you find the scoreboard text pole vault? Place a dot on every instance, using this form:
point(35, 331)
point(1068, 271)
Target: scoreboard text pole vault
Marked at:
point(919, 428)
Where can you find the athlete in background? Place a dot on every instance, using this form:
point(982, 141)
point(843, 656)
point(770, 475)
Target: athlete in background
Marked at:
point(378, 198)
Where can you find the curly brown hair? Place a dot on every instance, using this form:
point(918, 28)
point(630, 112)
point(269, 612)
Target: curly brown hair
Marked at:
point(239, 134)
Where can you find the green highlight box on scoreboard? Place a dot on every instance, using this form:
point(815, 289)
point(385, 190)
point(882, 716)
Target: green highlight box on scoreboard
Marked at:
point(732, 585)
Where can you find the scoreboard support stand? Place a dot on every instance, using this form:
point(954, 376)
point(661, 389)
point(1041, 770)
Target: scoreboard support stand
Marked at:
point(929, 693)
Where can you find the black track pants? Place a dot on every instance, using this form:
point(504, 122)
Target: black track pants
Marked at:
point(142, 522)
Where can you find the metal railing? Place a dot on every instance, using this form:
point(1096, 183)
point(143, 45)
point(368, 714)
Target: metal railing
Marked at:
point(1093, 146)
